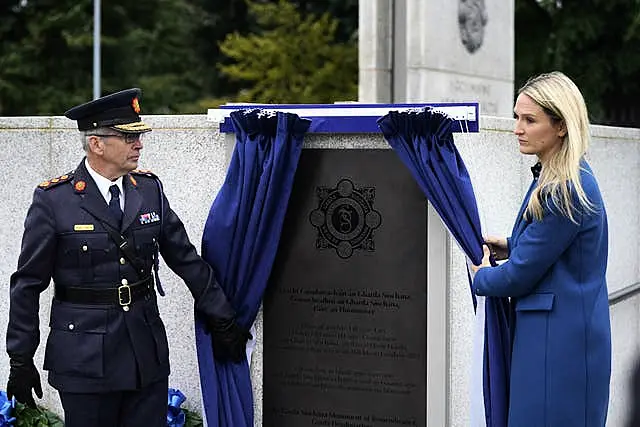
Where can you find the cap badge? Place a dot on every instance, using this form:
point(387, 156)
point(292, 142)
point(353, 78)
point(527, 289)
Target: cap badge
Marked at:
point(136, 105)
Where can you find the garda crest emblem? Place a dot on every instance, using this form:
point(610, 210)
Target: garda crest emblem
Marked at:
point(345, 218)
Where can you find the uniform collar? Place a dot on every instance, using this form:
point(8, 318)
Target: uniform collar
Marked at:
point(103, 183)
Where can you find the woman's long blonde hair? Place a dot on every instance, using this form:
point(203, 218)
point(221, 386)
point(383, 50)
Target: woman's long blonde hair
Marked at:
point(562, 101)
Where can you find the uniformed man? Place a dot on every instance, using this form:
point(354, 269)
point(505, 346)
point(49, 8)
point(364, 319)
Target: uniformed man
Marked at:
point(97, 232)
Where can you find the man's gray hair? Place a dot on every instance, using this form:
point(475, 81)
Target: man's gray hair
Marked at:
point(98, 131)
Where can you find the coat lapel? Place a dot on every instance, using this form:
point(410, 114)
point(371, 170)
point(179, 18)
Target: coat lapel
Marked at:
point(132, 202)
point(92, 201)
point(520, 221)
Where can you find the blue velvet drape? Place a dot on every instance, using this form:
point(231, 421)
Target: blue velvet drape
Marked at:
point(240, 241)
point(424, 142)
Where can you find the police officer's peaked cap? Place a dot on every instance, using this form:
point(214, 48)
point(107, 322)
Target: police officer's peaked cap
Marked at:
point(119, 111)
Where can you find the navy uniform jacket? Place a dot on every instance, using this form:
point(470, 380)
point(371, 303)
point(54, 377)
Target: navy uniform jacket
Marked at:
point(96, 348)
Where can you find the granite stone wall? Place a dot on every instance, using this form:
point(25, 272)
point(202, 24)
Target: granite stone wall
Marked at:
point(191, 156)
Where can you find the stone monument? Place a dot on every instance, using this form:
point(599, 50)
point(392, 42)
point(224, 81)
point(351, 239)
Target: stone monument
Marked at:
point(438, 51)
point(345, 311)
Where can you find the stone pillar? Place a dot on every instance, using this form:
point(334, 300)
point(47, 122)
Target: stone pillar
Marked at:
point(375, 51)
point(441, 51)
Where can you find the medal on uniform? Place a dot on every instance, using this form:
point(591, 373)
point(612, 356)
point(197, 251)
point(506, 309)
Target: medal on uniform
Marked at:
point(148, 218)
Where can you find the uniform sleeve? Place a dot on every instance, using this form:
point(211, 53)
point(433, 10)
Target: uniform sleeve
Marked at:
point(35, 268)
point(181, 256)
point(538, 248)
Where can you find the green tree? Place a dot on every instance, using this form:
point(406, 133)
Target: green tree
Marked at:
point(219, 19)
point(292, 59)
point(150, 44)
point(593, 41)
point(34, 77)
point(345, 12)
point(169, 48)
point(46, 54)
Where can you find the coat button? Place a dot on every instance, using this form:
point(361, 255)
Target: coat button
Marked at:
point(125, 308)
point(124, 281)
point(71, 326)
point(122, 261)
point(85, 248)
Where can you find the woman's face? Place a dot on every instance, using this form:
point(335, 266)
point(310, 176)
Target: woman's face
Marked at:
point(536, 133)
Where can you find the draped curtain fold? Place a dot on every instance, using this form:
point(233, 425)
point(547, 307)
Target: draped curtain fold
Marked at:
point(240, 241)
point(424, 142)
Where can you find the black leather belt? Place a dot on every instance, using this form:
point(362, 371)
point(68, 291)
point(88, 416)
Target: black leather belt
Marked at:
point(121, 295)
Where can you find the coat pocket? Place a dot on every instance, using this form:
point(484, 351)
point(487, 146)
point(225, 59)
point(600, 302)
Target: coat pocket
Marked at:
point(76, 341)
point(529, 363)
point(536, 302)
point(83, 253)
point(144, 239)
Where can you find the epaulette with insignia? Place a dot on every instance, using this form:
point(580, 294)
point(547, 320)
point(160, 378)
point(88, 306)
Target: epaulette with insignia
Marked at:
point(56, 181)
point(145, 172)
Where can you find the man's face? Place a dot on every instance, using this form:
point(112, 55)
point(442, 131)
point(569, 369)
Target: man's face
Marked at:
point(118, 153)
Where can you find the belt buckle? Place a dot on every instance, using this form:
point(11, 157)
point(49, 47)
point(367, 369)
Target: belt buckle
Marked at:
point(124, 295)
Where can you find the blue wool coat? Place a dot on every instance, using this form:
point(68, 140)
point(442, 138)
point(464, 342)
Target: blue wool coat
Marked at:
point(555, 275)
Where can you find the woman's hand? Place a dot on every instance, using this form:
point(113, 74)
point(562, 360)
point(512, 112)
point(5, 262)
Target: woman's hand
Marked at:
point(497, 247)
point(486, 262)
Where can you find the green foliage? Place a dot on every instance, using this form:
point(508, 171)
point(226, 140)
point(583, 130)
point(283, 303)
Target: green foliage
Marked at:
point(595, 42)
point(202, 105)
point(346, 11)
point(169, 48)
point(155, 52)
point(294, 58)
point(192, 419)
point(42, 417)
point(46, 54)
point(30, 47)
point(189, 55)
point(219, 19)
point(35, 417)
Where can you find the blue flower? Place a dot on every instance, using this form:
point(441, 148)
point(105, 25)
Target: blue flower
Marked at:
point(175, 415)
point(6, 408)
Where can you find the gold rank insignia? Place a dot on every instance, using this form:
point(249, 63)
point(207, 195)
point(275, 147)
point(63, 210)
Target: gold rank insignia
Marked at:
point(83, 227)
point(50, 183)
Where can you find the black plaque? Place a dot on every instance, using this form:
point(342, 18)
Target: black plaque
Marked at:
point(345, 309)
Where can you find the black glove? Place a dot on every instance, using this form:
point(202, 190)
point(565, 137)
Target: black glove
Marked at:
point(228, 339)
point(23, 376)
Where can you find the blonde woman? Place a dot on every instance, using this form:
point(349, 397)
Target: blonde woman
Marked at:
point(555, 267)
